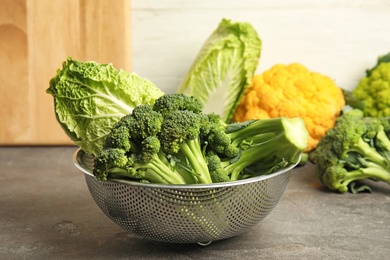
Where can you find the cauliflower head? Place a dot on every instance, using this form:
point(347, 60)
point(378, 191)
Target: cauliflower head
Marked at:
point(374, 91)
point(293, 91)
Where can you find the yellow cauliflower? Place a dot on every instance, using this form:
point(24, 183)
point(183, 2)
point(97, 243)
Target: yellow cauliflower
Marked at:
point(293, 91)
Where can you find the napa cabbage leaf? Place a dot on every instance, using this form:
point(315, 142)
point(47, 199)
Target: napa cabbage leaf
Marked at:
point(89, 98)
point(224, 68)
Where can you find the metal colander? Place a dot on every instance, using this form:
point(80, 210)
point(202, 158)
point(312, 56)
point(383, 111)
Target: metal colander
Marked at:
point(186, 213)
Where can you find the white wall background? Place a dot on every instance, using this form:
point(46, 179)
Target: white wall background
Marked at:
point(339, 38)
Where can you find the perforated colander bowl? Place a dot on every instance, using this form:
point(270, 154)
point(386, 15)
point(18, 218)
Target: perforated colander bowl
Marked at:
point(186, 213)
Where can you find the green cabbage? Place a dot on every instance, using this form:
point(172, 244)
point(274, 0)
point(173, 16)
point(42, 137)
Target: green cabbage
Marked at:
point(224, 68)
point(89, 98)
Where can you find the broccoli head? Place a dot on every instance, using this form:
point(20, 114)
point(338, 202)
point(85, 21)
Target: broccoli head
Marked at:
point(109, 160)
point(174, 142)
point(356, 148)
point(176, 101)
point(180, 137)
point(218, 140)
point(132, 150)
point(217, 171)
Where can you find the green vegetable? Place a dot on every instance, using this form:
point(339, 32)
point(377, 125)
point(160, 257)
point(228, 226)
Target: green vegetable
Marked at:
point(89, 98)
point(373, 90)
point(357, 148)
point(305, 157)
point(224, 68)
point(174, 142)
point(351, 100)
point(382, 58)
point(264, 146)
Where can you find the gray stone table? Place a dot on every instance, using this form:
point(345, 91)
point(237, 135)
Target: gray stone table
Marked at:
point(46, 212)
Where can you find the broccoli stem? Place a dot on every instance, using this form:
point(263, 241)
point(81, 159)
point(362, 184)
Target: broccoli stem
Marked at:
point(382, 141)
point(193, 152)
point(262, 152)
point(286, 143)
point(369, 153)
point(149, 174)
point(160, 165)
point(155, 171)
point(372, 171)
point(117, 172)
point(163, 171)
point(294, 130)
point(186, 172)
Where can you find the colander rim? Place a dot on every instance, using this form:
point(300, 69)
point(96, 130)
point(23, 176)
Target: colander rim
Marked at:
point(78, 162)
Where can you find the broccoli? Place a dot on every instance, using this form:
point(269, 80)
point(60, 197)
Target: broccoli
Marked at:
point(356, 148)
point(180, 137)
point(217, 171)
point(173, 102)
point(132, 150)
point(174, 142)
point(265, 145)
point(162, 139)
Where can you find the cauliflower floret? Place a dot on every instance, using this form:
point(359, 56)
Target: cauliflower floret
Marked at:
point(293, 91)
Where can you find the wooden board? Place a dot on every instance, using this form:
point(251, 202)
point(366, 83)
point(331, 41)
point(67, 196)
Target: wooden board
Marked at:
point(36, 36)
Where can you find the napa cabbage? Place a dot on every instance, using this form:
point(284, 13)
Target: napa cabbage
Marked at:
point(224, 68)
point(89, 98)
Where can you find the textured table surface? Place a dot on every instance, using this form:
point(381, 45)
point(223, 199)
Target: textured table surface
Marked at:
point(46, 212)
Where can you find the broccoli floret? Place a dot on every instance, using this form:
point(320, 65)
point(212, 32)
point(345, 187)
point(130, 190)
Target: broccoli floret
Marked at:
point(385, 121)
point(218, 140)
point(341, 179)
point(174, 142)
point(356, 148)
point(217, 171)
point(161, 143)
point(376, 134)
point(109, 160)
point(172, 102)
point(349, 137)
point(144, 122)
point(180, 137)
point(132, 150)
point(119, 137)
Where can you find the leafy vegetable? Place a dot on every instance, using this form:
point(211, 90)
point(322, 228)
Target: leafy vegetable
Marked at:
point(356, 148)
point(224, 67)
point(293, 91)
point(174, 142)
point(89, 98)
